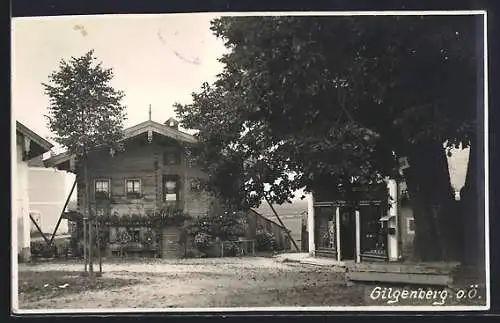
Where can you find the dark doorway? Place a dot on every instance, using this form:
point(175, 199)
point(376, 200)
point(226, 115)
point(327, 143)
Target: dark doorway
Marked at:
point(347, 234)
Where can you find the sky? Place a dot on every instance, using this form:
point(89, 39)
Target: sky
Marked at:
point(157, 60)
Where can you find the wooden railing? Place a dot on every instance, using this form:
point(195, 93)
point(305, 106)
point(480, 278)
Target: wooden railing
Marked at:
point(256, 220)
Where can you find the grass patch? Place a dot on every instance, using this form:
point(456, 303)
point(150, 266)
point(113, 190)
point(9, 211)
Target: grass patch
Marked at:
point(38, 285)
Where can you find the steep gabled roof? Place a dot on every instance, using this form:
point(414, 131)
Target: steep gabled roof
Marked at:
point(38, 145)
point(128, 133)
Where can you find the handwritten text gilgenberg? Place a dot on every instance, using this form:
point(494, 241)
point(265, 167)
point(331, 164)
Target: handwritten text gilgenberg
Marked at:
point(393, 295)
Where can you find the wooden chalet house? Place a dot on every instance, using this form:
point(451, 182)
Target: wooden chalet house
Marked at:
point(132, 189)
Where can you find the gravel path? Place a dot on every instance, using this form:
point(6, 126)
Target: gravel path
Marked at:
point(197, 283)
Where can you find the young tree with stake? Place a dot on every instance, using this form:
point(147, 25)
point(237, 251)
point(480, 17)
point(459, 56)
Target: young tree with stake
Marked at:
point(85, 112)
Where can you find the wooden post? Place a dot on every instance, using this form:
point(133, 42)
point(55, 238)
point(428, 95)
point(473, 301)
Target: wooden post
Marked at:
point(85, 240)
point(99, 257)
point(89, 214)
point(311, 234)
point(392, 240)
point(40, 230)
point(337, 232)
point(358, 237)
point(282, 224)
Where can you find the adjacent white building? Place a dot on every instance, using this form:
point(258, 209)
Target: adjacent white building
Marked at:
point(29, 145)
point(48, 191)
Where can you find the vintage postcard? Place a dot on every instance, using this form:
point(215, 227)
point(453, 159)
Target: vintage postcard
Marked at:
point(228, 162)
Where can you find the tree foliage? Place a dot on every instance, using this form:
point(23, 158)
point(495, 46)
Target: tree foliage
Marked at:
point(85, 110)
point(330, 99)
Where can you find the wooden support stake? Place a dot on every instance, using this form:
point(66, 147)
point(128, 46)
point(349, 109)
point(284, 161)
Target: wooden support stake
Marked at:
point(282, 224)
point(98, 245)
point(62, 212)
point(40, 230)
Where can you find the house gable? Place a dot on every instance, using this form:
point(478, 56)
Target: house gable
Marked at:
point(33, 145)
point(149, 128)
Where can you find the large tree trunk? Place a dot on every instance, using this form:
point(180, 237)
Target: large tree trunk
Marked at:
point(473, 193)
point(472, 207)
point(429, 187)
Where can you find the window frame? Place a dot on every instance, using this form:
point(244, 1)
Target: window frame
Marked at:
point(176, 157)
point(176, 180)
point(127, 180)
point(103, 180)
point(408, 226)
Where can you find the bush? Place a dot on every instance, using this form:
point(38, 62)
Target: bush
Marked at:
point(265, 241)
point(75, 248)
point(202, 241)
point(231, 248)
point(39, 249)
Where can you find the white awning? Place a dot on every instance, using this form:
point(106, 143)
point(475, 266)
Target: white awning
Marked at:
point(386, 218)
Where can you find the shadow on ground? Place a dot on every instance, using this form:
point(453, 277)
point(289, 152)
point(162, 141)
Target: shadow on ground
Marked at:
point(39, 285)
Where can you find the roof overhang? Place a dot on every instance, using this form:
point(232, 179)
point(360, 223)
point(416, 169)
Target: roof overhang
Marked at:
point(159, 129)
point(34, 145)
point(64, 160)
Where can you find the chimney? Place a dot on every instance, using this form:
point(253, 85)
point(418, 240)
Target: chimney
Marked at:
point(172, 123)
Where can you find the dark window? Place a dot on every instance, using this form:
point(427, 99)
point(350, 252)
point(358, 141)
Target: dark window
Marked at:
point(171, 158)
point(133, 185)
point(373, 237)
point(325, 227)
point(171, 189)
point(135, 235)
point(102, 185)
point(411, 225)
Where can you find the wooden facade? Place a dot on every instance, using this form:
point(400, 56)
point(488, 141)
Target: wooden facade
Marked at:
point(152, 171)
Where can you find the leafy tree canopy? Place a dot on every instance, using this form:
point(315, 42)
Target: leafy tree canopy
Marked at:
point(330, 99)
point(85, 110)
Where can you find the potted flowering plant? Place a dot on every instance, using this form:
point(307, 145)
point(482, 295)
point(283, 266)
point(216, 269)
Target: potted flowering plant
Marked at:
point(115, 218)
point(173, 216)
point(125, 219)
point(134, 195)
point(148, 240)
point(123, 238)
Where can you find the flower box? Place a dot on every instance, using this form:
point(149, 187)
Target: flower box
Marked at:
point(114, 246)
point(102, 196)
point(134, 195)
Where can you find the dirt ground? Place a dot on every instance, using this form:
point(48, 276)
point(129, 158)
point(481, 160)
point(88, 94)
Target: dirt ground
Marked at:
point(193, 283)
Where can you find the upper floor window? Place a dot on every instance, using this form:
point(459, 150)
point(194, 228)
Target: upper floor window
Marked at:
point(171, 189)
point(171, 158)
point(410, 225)
point(102, 185)
point(133, 185)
